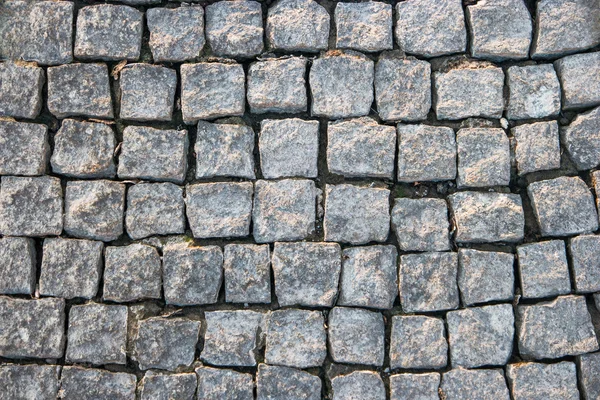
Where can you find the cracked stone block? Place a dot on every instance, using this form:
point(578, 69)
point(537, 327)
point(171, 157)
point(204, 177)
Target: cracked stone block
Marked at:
point(426, 153)
point(460, 383)
point(287, 29)
point(17, 265)
point(483, 157)
point(224, 150)
point(341, 85)
point(166, 343)
point(21, 90)
point(402, 88)
point(277, 85)
point(281, 383)
point(88, 383)
point(84, 150)
point(220, 209)
point(369, 277)
point(212, 90)
point(97, 334)
point(224, 384)
point(30, 206)
point(306, 273)
point(589, 379)
point(418, 342)
point(79, 90)
point(581, 139)
point(167, 386)
point(192, 275)
point(232, 338)
point(485, 276)
point(481, 217)
point(427, 282)
point(356, 215)
point(176, 34)
point(296, 338)
point(537, 381)
point(499, 30)
point(71, 268)
point(572, 331)
point(288, 148)
point(247, 273)
point(534, 92)
point(40, 31)
point(40, 382)
point(585, 260)
point(564, 27)
point(284, 210)
point(361, 148)
point(543, 269)
point(421, 224)
point(94, 209)
point(109, 32)
point(24, 148)
point(153, 154)
point(365, 385)
point(154, 209)
point(132, 273)
point(147, 92)
point(364, 26)
point(415, 386)
point(32, 328)
point(537, 146)
point(563, 206)
point(431, 29)
point(579, 79)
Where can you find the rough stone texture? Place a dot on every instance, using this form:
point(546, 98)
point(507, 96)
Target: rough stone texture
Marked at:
point(235, 29)
point(282, 383)
point(32, 328)
point(247, 273)
point(17, 266)
point(365, 385)
point(94, 209)
point(21, 90)
point(462, 383)
point(537, 146)
point(224, 384)
point(306, 273)
point(415, 386)
point(167, 386)
point(176, 34)
point(219, 209)
point(485, 276)
point(295, 338)
point(147, 92)
point(87, 383)
point(543, 269)
point(487, 217)
point(283, 210)
point(585, 262)
point(40, 382)
point(418, 342)
point(426, 153)
point(70, 268)
point(421, 224)
point(535, 381)
point(363, 26)
point(341, 85)
point(579, 79)
point(24, 148)
point(563, 206)
point(277, 85)
point(571, 331)
point(534, 92)
point(30, 206)
point(154, 209)
point(109, 32)
point(288, 148)
point(361, 148)
point(212, 90)
point(356, 215)
point(581, 139)
point(369, 277)
point(589, 379)
point(192, 275)
point(79, 90)
point(483, 157)
point(287, 28)
point(427, 282)
point(84, 150)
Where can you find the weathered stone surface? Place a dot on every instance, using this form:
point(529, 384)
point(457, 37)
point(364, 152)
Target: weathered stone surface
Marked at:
point(32, 328)
point(21, 90)
point(235, 29)
point(281, 383)
point(30, 206)
point(224, 384)
point(585, 261)
point(295, 338)
point(426, 153)
point(581, 139)
point(306, 273)
point(40, 382)
point(71, 268)
point(579, 79)
point(487, 217)
point(24, 148)
point(571, 333)
point(462, 383)
point(415, 386)
point(427, 282)
point(94, 209)
point(109, 32)
point(288, 148)
point(363, 26)
point(247, 273)
point(369, 277)
point(537, 146)
point(543, 269)
point(147, 92)
point(421, 224)
point(589, 379)
point(533, 92)
point(563, 206)
point(366, 385)
point(17, 266)
point(219, 209)
point(287, 28)
point(485, 276)
point(277, 85)
point(87, 383)
point(483, 157)
point(79, 89)
point(418, 342)
point(167, 386)
point(341, 85)
point(536, 381)
point(176, 34)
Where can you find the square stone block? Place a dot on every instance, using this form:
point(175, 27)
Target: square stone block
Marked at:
point(280, 383)
point(483, 157)
point(421, 224)
point(366, 385)
point(485, 276)
point(537, 381)
point(24, 148)
point(17, 265)
point(415, 386)
point(534, 92)
point(176, 34)
point(287, 29)
point(147, 92)
point(41, 382)
point(579, 76)
point(589, 379)
point(363, 26)
point(247, 271)
point(585, 261)
point(214, 383)
point(543, 269)
point(21, 91)
point(81, 383)
point(581, 139)
point(537, 146)
point(460, 383)
point(156, 385)
point(418, 342)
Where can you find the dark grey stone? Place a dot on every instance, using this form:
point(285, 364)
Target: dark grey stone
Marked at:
point(579, 79)
point(537, 146)
point(79, 383)
point(536, 381)
point(543, 269)
point(24, 148)
point(585, 261)
point(418, 342)
point(147, 92)
point(421, 224)
point(287, 28)
point(581, 139)
point(21, 90)
point(483, 157)
point(225, 384)
point(589, 379)
point(282, 383)
point(176, 34)
point(485, 276)
point(25, 382)
point(247, 273)
point(161, 386)
point(17, 265)
point(363, 26)
point(365, 385)
point(534, 92)
point(459, 383)
point(415, 386)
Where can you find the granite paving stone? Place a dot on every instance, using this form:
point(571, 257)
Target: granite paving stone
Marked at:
point(579, 76)
point(17, 265)
point(418, 342)
point(287, 30)
point(147, 92)
point(543, 269)
point(585, 255)
point(460, 383)
point(363, 26)
point(155, 385)
point(366, 385)
point(421, 224)
point(176, 34)
point(589, 379)
point(225, 384)
point(247, 273)
point(485, 276)
point(536, 147)
point(581, 139)
point(90, 383)
point(20, 381)
point(415, 386)
point(280, 383)
point(534, 92)
point(21, 90)
point(24, 148)
point(537, 381)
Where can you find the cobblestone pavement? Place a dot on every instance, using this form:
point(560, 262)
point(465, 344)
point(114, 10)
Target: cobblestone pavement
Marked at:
point(299, 199)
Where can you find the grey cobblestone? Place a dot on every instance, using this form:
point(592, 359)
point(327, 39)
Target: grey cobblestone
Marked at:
point(580, 139)
point(167, 386)
point(39, 381)
point(366, 385)
point(421, 224)
point(21, 92)
point(17, 265)
point(543, 269)
point(363, 26)
point(176, 34)
point(418, 342)
point(247, 273)
point(78, 383)
point(24, 148)
point(225, 383)
point(287, 30)
point(280, 383)
point(485, 276)
point(579, 79)
point(537, 146)
point(534, 92)
point(415, 386)
point(543, 381)
point(483, 157)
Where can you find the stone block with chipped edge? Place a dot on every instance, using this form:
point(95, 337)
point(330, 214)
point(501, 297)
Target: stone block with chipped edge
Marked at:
point(581, 139)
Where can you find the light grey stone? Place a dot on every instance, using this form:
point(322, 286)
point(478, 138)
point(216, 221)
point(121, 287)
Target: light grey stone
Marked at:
point(363, 26)
point(585, 262)
point(21, 90)
point(415, 386)
point(579, 79)
point(287, 28)
point(483, 157)
point(160, 386)
point(581, 139)
point(24, 148)
point(87, 383)
point(421, 224)
point(543, 269)
point(247, 273)
point(485, 276)
point(533, 92)
point(281, 383)
point(17, 266)
point(176, 34)
point(459, 383)
point(147, 92)
point(224, 384)
point(365, 385)
point(537, 381)
point(589, 379)
point(40, 382)
point(537, 146)
point(418, 342)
